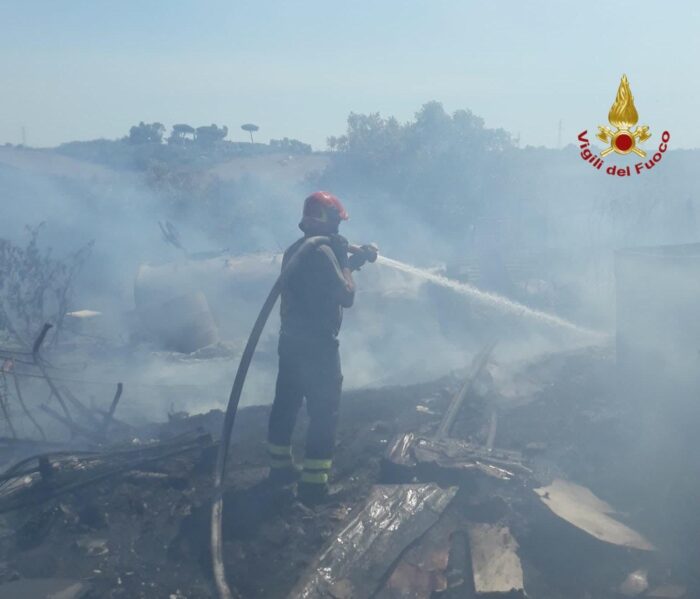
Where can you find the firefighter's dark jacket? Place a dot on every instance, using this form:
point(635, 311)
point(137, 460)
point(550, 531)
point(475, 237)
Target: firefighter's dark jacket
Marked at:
point(315, 294)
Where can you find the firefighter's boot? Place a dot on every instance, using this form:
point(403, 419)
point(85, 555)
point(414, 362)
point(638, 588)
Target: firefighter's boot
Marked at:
point(313, 487)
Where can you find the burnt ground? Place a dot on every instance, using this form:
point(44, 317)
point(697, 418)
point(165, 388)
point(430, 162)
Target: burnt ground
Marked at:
point(145, 532)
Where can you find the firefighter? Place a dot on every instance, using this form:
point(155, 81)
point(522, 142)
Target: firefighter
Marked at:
point(313, 299)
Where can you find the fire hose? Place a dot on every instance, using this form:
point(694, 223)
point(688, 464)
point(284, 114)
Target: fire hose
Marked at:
point(232, 407)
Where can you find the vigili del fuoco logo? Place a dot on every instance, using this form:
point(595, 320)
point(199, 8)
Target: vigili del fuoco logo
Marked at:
point(623, 138)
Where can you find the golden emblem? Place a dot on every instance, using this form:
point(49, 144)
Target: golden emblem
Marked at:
point(623, 116)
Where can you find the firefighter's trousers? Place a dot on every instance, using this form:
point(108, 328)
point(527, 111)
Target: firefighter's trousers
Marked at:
point(308, 369)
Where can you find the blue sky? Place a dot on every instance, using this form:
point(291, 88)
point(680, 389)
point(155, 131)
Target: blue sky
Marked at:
point(89, 69)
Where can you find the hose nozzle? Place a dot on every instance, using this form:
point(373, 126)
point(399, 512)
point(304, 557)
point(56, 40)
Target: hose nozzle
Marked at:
point(370, 251)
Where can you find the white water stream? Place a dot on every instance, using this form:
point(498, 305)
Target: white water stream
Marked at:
point(492, 300)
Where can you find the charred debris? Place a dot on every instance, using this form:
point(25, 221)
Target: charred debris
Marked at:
point(498, 481)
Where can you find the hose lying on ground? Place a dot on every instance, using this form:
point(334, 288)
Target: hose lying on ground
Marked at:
point(231, 409)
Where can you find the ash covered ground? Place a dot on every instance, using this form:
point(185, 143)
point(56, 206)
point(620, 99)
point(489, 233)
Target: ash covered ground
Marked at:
point(143, 531)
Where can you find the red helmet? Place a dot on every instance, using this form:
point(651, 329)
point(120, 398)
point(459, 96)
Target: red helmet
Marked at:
point(320, 209)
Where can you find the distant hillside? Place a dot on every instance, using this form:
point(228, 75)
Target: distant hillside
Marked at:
point(146, 146)
point(120, 154)
point(92, 161)
point(50, 163)
point(290, 167)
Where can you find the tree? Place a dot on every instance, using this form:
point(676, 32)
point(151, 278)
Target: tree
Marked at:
point(181, 133)
point(332, 143)
point(35, 287)
point(250, 128)
point(208, 136)
point(146, 133)
point(435, 164)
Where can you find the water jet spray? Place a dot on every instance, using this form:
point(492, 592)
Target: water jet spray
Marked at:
point(492, 300)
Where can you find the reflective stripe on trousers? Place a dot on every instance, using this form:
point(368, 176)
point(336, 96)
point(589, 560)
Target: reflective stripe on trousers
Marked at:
point(316, 471)
point(279, 456)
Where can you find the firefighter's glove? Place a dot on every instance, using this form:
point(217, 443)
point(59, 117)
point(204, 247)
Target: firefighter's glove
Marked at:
point(367, 253)
point(339, 245)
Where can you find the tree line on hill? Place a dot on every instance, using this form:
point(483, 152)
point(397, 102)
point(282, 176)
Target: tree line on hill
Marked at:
point(206, 136)
point(181, 134)
point(149, 144)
